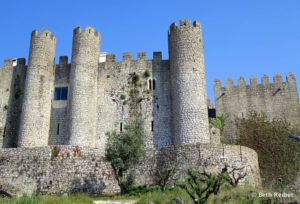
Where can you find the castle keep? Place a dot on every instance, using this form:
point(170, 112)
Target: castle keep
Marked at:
point(57, 115)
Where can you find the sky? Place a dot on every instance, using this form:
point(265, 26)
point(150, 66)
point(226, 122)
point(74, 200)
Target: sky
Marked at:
point(241, 37)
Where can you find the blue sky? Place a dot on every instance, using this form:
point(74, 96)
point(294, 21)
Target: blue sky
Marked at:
point(241, 37)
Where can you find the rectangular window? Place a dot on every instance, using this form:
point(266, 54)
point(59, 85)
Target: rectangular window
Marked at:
point(121, 127)
point(61, 93)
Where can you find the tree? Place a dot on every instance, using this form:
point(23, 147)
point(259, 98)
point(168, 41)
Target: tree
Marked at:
point(164, 167)
point(125, 150)
point(278, 156)
point(200, 185)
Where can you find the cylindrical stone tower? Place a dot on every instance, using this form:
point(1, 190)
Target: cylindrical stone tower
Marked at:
point(36, 108)
point(82, 106)
point(189, 108)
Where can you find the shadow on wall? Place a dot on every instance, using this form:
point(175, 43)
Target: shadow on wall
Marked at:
point(90, 185)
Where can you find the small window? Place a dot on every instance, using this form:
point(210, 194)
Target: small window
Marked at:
point(153, 84)
point(121, 127)
point(150, 84)
point(61, 93)
point(4, 131)
point(152, 126)
point(57, 129)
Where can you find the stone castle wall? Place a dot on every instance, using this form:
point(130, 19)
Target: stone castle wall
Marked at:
point(277, 100)
point(66, 169)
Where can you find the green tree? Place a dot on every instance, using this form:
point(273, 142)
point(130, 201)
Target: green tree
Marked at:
point(278, 156)
point(125, 150)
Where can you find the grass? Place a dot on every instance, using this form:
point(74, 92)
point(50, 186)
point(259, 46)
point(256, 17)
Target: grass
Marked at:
point(241, 195)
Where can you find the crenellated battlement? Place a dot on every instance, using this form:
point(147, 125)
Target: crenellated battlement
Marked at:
point(111, 58)
point(277, 82)
point(127, 56)
point(184, 24)
point(43, 34)
point(87, 31)
point(142, 56)
point(8, 63)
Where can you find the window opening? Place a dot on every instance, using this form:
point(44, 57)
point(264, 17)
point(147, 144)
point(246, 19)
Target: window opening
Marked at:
point(121, 127)
point(57, 129)
point(4, 131)
point(150, 85)
point(152, 125)
point(61, 93)
point(153, 84)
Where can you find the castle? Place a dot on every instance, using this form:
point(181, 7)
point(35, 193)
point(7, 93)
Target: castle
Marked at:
point(77, 103)
point(71, 106)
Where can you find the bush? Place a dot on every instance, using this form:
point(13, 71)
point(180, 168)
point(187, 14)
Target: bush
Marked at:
point(278, 156)
point(136, 79)
point(55, 152)
point(123, 97)
point(147, 73)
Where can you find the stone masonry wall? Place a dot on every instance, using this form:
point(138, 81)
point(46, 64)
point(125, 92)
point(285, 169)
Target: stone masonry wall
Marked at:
point(6, 73)
point(278, 100)
point(115, 89)
point(49, 171)
point(15, 103)
point(59, 122)
point(66, 169)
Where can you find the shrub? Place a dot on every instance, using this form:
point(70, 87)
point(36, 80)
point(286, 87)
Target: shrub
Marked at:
point(218, 122)
point(136, 79)
point(278, 156)
point(123, 97)
point(147, 73)
point(55, 152)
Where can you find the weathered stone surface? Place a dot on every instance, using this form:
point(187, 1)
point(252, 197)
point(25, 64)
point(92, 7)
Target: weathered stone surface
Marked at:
point(36, 106)
point(44, 171)
point(67, 169)
point(278, 100)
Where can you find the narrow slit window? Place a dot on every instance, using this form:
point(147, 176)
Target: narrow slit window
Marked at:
point(153, 84)
point(152, 126)
point(121, 127)
point(150, 84)
point(57, 129)
point(4, 131)
point(157, 107)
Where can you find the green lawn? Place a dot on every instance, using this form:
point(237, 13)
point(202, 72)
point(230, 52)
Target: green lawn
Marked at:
point(241, 195)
